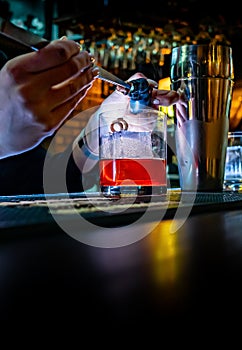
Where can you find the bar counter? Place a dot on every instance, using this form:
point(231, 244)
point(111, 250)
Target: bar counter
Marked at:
point(126, 268)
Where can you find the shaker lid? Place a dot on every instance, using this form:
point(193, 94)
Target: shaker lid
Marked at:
point(201, 60)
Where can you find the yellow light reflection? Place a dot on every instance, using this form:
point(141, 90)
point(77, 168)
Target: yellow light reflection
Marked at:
point(165, 84)
point(164, 247)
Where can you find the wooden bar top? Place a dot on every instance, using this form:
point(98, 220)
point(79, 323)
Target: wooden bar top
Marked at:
point(127, 273)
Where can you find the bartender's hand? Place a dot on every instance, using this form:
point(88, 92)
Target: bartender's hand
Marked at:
point(38, 91)
point(158, 98)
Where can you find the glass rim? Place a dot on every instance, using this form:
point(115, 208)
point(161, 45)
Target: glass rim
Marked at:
point(235, 134)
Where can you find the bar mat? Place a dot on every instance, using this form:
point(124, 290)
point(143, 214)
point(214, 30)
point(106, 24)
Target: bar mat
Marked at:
point(172, 194)
point(27, 210)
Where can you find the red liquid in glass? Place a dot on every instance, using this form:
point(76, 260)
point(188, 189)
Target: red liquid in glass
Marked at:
point(130, 172)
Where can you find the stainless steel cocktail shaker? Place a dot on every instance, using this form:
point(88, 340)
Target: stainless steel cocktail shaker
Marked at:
point(203, 75)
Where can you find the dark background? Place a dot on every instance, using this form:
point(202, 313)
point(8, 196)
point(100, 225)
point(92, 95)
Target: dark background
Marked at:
point(220, 17)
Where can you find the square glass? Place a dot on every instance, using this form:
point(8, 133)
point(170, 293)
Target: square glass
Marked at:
point(233, 163)
point(133, 153)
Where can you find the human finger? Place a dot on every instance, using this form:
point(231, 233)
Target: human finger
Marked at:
point(46, 82)
point(81, 70)
point(54, 54)
point(51, 116)
point(164, 98)
point(55, 74)
point(63, 110)
point(73, 88)
point(137, 75)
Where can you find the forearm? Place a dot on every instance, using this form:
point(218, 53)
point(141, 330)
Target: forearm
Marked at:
point(18, 128)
